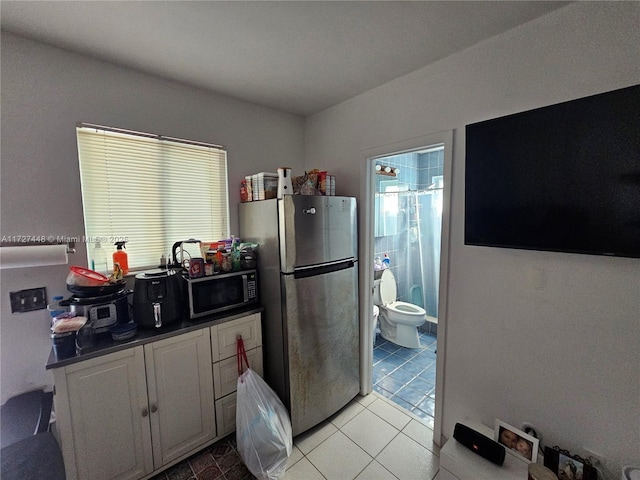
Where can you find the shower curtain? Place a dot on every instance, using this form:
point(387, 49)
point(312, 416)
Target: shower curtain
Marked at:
point(412, 235)
point(429, 223)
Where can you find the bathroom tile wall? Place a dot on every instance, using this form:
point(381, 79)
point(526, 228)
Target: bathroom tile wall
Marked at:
point(431, 165)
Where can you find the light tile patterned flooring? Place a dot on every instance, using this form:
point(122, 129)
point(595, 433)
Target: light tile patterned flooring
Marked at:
point(386, 435)
point(372, 438)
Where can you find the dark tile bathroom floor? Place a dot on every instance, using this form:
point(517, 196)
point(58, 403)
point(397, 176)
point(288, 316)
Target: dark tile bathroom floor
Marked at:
point(407, 376)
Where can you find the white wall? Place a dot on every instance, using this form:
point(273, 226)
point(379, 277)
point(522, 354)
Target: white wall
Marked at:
point(548, 338)
point(45, 91)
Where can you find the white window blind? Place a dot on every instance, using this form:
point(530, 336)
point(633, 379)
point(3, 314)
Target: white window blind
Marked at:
point(152, 190)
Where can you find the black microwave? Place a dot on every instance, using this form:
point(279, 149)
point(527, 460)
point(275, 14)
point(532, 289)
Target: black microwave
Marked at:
point(220, 292)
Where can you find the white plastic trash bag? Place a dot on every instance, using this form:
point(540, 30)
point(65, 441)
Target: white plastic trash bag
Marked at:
point(263, 428)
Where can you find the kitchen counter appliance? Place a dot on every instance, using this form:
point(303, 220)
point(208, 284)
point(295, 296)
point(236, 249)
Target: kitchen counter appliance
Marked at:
point(157, 298)
point(220, 292)
point(309, 289)
point(103, 311)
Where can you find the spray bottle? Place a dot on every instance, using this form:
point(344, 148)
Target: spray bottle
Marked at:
point(121, 257)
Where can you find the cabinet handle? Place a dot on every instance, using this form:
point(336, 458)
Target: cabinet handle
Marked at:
point(154, 409)
point(144, 412)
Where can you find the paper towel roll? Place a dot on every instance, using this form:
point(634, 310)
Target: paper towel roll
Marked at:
point(33, 256)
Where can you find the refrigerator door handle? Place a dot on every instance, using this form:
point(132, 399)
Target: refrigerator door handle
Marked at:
point(303, 272)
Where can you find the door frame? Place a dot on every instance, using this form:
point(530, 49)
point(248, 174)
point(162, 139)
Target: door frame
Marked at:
point(367, 172)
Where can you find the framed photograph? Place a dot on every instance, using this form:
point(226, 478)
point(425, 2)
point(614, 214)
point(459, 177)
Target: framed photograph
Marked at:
point(567, 466)
point(516, 442)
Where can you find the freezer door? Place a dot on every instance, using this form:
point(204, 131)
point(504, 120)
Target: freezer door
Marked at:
point(320, 315)
point(316, 230)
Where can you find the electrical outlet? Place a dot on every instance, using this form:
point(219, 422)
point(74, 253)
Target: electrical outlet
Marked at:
point(531, 430)
point(28, 300)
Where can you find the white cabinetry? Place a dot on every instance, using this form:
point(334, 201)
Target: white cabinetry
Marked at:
point(102, 417)
point(225, 366)
point(128, 414)
point(180, 395)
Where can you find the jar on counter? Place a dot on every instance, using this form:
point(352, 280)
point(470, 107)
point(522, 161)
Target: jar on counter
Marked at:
point(209, 269)
point(227, 264)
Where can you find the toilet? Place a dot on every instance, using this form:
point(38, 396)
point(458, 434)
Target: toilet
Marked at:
point(399, 321)
point(375, 329)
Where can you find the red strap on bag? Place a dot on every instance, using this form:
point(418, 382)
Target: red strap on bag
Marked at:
point(242, 355)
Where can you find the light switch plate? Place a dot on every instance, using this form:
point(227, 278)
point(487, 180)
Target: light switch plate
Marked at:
point(28, 300)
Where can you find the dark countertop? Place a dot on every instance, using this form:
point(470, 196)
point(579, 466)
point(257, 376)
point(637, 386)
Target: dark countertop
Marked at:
point(105, 344)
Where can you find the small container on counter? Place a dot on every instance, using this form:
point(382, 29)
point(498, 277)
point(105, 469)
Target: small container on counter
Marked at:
point(85, 337)
point(235, 261)
point(227, 264)
point(64, 344)
point(247, 261)
point(196, 267)
point(124, 331)
point(55, 308)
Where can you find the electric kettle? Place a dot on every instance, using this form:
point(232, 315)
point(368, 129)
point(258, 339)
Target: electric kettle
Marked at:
point(178, 258)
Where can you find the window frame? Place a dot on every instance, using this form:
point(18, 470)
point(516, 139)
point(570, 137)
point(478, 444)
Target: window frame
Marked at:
point(148, 178)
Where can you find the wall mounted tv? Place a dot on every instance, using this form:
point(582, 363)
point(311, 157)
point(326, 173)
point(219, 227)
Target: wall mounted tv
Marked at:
point(562, 178)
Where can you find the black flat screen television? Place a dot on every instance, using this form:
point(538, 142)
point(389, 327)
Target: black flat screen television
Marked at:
point(562, 178)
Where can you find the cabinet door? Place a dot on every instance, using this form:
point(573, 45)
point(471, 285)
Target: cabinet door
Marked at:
point(223, 336)
point(101, 407)
point(180, 386)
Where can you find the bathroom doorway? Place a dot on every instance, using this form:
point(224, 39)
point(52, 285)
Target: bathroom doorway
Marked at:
point(407, 223)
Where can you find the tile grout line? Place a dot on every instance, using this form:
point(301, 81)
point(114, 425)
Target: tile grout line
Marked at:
point(429, 345)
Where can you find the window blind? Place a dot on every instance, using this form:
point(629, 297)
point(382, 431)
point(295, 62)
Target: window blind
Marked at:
point(150, 191)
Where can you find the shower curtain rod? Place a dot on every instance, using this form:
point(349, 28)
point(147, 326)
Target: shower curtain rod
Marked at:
point(411, 192)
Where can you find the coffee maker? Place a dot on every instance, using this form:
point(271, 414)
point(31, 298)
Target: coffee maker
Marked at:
point(157, 299)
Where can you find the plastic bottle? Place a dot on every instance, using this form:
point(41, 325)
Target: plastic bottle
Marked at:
point(99, 260)
point(121, 257)
point(386, 261)
point(55, 308)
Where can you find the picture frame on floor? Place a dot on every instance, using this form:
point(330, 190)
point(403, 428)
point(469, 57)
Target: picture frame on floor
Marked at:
point(567, 466)
point(516, 442)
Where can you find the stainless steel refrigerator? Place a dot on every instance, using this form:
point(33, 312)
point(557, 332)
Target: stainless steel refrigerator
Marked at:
point(308, 281)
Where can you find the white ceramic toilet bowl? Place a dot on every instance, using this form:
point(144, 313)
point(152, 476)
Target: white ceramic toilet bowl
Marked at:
point(375, 316)
point(399, 321)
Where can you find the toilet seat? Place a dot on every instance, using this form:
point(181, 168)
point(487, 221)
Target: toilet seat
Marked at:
point(405, 308)
point(389, 294)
